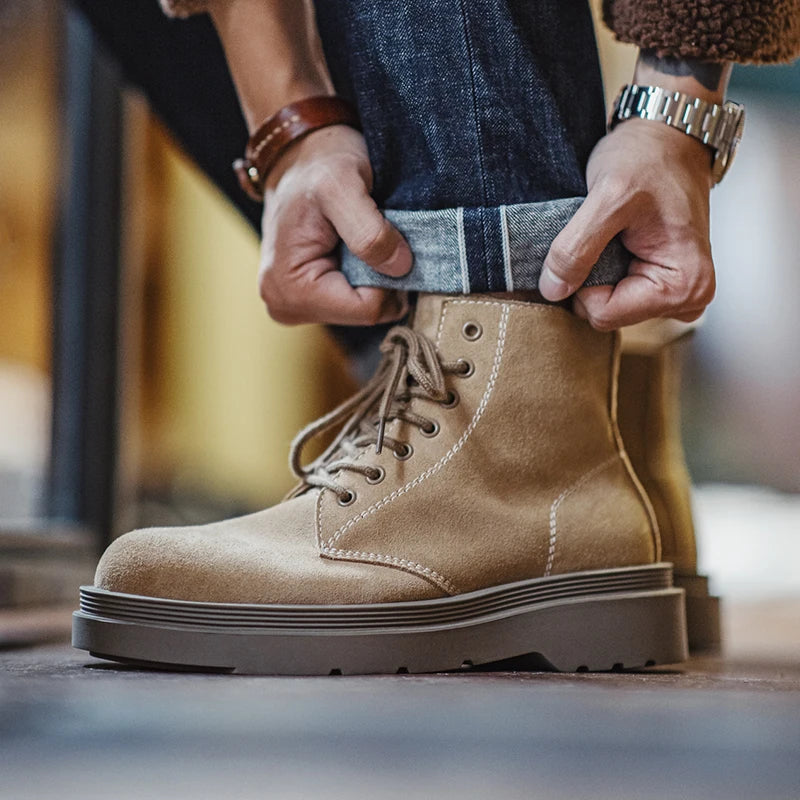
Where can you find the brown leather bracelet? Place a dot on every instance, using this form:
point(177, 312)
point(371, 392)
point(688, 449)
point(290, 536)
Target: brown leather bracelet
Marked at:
point(284, 128)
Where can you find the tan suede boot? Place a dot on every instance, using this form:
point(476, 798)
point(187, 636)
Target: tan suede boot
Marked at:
point(501, 517)
point(649, 419)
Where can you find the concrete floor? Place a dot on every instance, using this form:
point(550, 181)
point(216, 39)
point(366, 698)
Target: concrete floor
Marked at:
point(719, 727)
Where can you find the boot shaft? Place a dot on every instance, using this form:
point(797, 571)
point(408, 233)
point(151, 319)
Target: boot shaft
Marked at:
point(649, 419)
point(526, 455)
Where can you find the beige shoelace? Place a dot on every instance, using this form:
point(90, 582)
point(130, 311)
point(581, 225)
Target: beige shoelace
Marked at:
point(410, 368)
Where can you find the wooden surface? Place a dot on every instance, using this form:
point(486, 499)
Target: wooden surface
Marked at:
point(724, 726)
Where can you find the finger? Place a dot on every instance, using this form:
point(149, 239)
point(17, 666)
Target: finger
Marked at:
point(579, 245)
point(325, 296)
point(636, 298)
point(365, 231)
point(690, 316)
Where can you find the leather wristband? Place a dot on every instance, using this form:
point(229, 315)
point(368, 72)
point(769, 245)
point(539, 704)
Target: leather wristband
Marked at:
point(282, 129)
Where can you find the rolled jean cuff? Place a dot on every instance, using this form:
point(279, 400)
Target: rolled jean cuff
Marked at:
point(473, 250)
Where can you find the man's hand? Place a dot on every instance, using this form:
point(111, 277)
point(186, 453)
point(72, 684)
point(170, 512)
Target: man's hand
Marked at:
point(317, 194)
point(650, 184)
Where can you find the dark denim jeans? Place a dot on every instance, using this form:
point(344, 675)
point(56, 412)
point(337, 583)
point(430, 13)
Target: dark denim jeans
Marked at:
point(479, 117)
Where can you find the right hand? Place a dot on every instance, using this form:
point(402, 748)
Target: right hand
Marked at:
point(317, 194)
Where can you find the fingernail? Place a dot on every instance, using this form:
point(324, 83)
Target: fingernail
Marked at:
point(399, 262)
point(552, 287)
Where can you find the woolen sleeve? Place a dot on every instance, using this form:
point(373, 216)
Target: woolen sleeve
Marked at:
point(183, 8)
point(758, 31)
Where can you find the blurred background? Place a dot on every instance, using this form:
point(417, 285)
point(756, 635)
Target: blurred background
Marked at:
point(141, 381)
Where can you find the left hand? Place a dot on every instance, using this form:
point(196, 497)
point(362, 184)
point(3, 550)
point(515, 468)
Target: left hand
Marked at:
point(650, 184)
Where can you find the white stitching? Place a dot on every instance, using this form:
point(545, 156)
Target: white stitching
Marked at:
point(274, 132)
point(462, 250)
point(551, 552)
point(473, 303)
point(411, 566)
point(453, 450)
point(506, 250)
point(326, 547)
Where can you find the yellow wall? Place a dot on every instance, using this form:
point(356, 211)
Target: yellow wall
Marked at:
point(616, 60)
point(28, 175)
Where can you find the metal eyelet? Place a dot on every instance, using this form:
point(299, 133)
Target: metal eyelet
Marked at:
point(471, 331)
point(403, 451)
point(451, 399)
point(347, 499)
point(432, 431)
point(466, 368)
point(378, 477)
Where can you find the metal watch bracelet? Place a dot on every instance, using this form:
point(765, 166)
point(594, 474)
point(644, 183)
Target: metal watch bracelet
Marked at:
point(718, 126)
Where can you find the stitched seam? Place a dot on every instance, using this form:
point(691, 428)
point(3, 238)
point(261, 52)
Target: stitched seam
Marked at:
point(274, 132)
point(453, 450)
point(506, 250)
point(327, 546)
point(462, 250)
point(474, 92)
point(551, 551)
point(441, 325)
point(403, 563)
point(485, 248)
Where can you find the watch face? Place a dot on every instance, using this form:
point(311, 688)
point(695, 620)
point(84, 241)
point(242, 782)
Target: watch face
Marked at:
point(725, 156)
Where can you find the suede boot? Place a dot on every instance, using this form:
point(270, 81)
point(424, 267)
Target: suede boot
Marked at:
point(476, 505)
point(649, 419)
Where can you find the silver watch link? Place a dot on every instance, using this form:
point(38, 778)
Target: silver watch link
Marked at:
point(718, 126)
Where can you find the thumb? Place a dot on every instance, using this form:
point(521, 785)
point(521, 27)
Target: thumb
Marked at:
point(367, 233)
point(578, 247)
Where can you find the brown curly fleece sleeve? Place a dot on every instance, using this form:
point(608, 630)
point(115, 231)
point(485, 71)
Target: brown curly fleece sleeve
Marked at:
point(759, 31)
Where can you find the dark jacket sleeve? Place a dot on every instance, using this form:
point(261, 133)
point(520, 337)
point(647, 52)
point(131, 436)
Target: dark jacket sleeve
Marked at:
point(758, 31)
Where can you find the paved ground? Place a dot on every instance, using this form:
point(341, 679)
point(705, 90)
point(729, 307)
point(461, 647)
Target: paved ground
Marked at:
point(720, 727)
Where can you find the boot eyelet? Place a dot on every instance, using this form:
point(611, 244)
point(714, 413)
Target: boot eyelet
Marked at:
point(471, 331)
point(403, 451)
point(380, 474)
point(347, 499)
point(431, 431)
point(465, 368)
point(451, 399)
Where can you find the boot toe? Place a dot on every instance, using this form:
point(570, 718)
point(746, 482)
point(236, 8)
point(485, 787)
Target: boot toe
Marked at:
point(149, 562)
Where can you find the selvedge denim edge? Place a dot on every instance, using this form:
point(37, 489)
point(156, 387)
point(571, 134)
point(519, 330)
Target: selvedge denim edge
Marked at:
point(472, 250)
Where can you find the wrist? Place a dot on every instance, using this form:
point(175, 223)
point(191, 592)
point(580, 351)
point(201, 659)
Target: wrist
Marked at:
point(670, 146)
point(272, 53)
point(282, 130)
point(277, 92)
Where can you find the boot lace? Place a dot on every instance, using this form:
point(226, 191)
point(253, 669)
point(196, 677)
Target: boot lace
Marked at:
point(410, 369)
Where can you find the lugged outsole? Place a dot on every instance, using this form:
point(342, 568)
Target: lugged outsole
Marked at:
point(600, 620)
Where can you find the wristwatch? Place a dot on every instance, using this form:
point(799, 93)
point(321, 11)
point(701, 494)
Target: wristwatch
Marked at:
point(718, 126)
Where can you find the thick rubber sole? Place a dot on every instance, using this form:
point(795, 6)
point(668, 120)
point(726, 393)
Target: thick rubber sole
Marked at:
point(703, 613)
point(601, 620)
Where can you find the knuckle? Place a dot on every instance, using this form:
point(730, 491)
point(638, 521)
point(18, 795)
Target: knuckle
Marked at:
point(282, 313)
point(277, 304)
point(698, 287)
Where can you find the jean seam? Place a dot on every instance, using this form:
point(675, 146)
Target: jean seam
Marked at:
point(474, 92)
